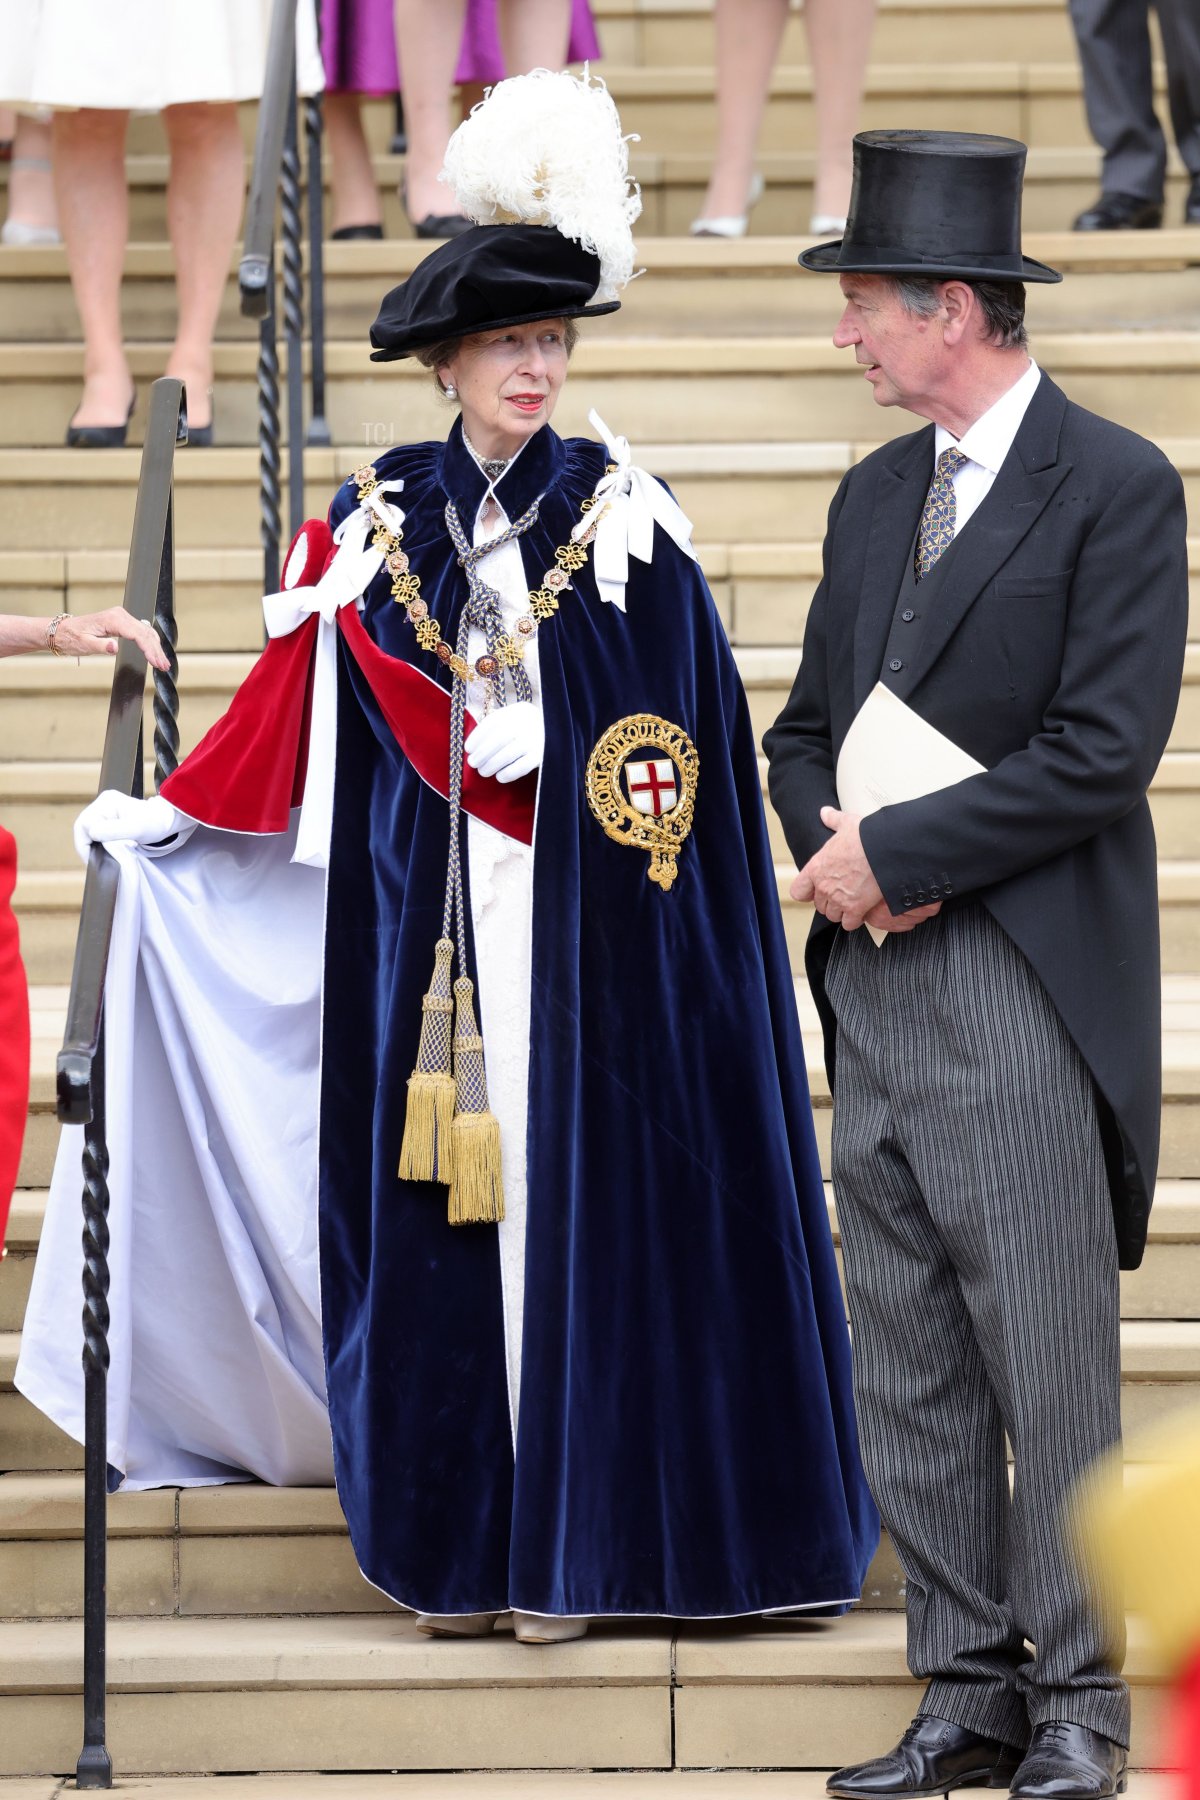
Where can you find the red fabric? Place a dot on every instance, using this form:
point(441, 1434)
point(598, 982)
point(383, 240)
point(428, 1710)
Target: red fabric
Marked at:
point(418, 711)
point(248, 772)
point(1186, 1747)
point(313, 549)
point(14, 1034)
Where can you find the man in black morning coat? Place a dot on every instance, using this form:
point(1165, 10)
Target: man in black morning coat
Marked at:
point(1016, 572)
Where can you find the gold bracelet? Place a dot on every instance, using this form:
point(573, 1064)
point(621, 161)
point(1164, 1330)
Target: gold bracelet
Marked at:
point(53, 626)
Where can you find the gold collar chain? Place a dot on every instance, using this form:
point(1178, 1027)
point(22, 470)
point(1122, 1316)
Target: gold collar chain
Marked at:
point(509, 651)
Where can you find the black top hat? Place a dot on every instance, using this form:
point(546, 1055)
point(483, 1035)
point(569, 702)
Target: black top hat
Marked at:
point(939, 203)
point(485, 279)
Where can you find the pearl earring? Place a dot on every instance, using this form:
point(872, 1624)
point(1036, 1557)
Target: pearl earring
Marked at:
point(450, 392)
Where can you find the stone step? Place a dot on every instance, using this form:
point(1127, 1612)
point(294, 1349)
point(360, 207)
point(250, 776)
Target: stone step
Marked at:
point(707, 1784)
point(686, 287)
point(763, 493)
point(663, 1784)
point(50, 713)
point(1160, 1362)
point(672, 105)
point(691, 389)
point(665, 34)
point(1062, 173)
point(216, 1695)
point(237, 1551)
point(762, 591)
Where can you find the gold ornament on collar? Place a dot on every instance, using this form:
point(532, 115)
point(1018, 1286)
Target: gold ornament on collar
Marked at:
point(641, 786)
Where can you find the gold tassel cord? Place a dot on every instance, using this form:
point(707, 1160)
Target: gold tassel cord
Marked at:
point(477, 1181)
point(426, 1153)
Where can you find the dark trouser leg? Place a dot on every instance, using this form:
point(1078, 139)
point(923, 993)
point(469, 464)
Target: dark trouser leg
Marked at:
point(1179, 21)
point(1012, 1168)
point(997, 1119)
point(931, 1432)
point(1118, 89)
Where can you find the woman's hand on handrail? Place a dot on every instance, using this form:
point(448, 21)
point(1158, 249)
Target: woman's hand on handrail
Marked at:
point(81, 634)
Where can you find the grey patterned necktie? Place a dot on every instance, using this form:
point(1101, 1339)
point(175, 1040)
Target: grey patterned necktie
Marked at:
point(936, 531)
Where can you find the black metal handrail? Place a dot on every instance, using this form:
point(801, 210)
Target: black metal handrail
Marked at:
point(150, 594)
point(275, 184)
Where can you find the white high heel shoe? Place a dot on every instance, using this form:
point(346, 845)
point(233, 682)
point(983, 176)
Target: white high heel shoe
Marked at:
point(827, 225)
point(731, 225)
point(456, 1624)
point(536, 1628)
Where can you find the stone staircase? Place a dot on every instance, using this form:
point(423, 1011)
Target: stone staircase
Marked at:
point(243, 1637)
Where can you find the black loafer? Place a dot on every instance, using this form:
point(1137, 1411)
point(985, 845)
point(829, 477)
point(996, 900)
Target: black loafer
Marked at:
point(932, 1757)
point(1121, 212)
point(1191, 206)
point(1069, 1762)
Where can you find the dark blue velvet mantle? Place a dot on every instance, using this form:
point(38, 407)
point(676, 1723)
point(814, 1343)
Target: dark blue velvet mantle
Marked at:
point(686, 1438)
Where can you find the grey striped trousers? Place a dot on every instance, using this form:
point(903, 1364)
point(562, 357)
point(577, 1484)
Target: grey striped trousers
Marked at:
point(981, 1269)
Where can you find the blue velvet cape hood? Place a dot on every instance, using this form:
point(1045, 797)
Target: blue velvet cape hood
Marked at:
point(686, 1441)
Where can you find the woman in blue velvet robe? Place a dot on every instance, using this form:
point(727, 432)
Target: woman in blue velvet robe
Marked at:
point(685, 1441)
point(681, 1439)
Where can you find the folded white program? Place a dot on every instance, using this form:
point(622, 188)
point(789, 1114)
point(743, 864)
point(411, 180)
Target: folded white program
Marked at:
point(890, 754)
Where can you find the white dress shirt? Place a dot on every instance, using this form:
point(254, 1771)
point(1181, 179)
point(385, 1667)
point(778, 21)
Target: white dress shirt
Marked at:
point(986, 444)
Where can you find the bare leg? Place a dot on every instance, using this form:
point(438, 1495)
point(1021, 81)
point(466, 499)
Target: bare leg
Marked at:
point(428, 35)
point(749, 33)
point(93, 209)
point(31, 183)
point(355, 195)
point(534, 34)
point(839, 42)
point(204, 209)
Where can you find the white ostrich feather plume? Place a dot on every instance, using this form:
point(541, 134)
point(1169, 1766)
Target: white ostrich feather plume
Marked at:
point(547, 149)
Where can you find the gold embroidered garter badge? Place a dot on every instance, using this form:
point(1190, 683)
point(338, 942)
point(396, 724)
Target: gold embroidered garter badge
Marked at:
point(646, 801)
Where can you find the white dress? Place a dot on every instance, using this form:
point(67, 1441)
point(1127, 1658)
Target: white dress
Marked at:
point(143, 55)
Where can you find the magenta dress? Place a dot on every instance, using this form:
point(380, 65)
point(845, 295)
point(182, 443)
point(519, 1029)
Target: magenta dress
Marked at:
point(359, 44)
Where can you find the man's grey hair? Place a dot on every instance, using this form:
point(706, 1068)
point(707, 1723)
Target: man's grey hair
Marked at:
point(1002, 304)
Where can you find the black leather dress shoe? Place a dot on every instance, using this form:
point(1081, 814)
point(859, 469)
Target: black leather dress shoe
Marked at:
point(1069, 1762)
point(1191, 206)
point(932, 1757)
point(1121, 212)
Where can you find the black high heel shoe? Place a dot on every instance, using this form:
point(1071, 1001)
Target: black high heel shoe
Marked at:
point(435, 225)
point(100, 437)
point(200, 437)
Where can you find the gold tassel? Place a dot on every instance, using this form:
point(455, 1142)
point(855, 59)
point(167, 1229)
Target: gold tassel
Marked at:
point(477, 1182)
point(427, 1150)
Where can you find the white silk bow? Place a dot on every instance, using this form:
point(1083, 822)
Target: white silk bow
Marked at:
point(635, 502)
point(344, 583)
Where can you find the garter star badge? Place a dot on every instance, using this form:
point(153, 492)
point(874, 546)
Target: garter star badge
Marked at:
point(641, 786)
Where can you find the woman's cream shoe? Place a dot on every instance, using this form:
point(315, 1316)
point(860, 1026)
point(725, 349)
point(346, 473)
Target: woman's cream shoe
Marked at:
point(827, 225)
point(456, 1624)
point(537, 1628)
point(732, 225)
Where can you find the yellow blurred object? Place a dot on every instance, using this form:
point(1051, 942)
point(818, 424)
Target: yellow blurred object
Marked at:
point(1145, 1534)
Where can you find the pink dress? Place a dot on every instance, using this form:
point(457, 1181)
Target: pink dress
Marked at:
point(359, 45)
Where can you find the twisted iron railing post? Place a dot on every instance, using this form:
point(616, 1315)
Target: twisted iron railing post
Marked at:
point(166, 690)
point(270, 460)
point(293, 314)
point(149, 593)
point(94, 1768)
point(318, 424)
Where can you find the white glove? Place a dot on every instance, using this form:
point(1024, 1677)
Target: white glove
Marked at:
point(114, 816)
point(510, 742)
